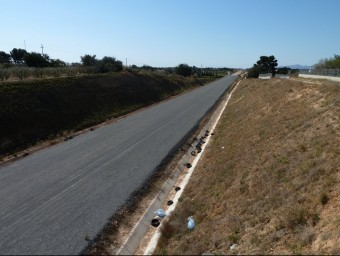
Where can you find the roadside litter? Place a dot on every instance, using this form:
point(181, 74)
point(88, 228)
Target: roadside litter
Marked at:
point(191, 223)
point(161, 213)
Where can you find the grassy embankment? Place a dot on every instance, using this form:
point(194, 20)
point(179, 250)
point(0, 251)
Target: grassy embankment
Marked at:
point(33, 111)
point(269, 180)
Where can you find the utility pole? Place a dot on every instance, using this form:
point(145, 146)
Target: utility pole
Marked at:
point(126, 62)
point(25, 45)
point(42, 49)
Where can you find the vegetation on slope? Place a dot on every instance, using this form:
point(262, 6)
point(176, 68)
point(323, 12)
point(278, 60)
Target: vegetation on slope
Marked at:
point(269, 180)
point(32, 111)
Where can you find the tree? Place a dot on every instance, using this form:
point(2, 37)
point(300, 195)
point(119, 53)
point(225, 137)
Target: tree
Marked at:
point(109, 64)
point(183, 70)
point(34, 59)
point(57, 63)
point(284, 70)
point(18, 55)
point(5, 58)
point(266, 64)
point(88, 60)
point(331, 63)
point(254, 72)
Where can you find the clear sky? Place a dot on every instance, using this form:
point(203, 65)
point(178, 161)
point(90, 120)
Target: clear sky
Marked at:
point(162, 33)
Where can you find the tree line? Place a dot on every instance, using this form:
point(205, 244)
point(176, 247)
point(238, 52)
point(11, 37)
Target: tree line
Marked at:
point(37, 60)
point(329, 63)
point(22, 64)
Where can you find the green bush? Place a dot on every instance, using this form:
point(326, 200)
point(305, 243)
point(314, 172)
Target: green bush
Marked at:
point(183, 70)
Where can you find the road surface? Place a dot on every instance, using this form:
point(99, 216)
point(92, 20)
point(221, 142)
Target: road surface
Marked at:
point(50, 200)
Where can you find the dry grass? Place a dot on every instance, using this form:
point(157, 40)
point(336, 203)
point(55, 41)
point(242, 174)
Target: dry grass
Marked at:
point(274, 187)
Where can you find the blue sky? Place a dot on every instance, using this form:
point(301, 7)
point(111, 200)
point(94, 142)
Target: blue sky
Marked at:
point(215, 33)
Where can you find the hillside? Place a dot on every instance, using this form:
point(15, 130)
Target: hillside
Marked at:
point(38, 110)
point(268, 182)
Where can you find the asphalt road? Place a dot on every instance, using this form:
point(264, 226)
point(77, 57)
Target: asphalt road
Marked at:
point(51, 199)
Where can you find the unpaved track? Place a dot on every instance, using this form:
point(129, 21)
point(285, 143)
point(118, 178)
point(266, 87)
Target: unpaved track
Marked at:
point(50, 201)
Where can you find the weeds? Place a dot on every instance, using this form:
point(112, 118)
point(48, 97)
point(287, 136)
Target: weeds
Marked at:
point(324, 198)
point(264, 190)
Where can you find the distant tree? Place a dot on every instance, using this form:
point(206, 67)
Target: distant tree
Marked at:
point(109, 64)
point(196, 71)
point(254, 72)
point(266, 64)
point(331, 63)
point(283, 71)
point(147, 67)
point(18, 55)
point(5, 58)
point(57, 63)
point(183, 70)
point(34, 59)
point(88, 60)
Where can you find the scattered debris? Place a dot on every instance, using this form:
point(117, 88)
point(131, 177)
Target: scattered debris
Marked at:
point(68, 138)
point(191, 223)
point(155, 222)
point(233, 246)
point(161, 213)
point(87, 237)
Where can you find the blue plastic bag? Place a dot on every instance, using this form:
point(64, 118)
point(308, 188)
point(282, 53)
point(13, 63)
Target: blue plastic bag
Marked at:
point(191, 223)
point(161, 213)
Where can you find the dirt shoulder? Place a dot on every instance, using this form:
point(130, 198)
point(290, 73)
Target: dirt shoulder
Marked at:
point(268, 183)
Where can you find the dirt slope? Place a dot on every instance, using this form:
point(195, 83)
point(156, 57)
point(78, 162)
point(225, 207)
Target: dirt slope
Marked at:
point(269, 180)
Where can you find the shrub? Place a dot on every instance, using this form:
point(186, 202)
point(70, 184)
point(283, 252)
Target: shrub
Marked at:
point(324, 198)
point(183, 70)
point(295, 216)
point(55, 72)
point(4, 74)
point(38, 72)
point(21, 72)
